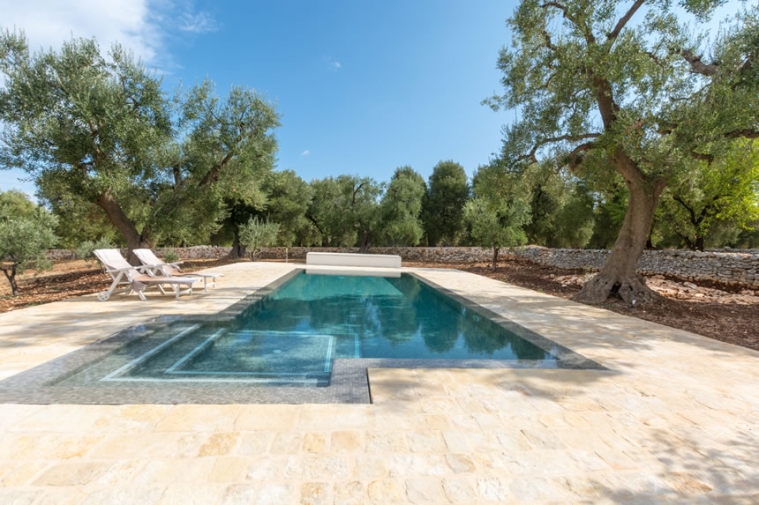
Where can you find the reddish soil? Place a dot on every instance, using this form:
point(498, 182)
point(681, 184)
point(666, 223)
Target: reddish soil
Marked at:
point(724, 313)
point(709, 309)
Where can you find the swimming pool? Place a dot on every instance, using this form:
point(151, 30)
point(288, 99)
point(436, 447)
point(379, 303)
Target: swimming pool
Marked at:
point(312, 331)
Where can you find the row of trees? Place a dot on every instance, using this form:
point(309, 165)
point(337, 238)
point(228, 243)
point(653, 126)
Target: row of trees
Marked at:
point(633, 130)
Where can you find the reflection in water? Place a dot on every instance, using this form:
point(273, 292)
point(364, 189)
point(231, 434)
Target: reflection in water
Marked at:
point(384, 318)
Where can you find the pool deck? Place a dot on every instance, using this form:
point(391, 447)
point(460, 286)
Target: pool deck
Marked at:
point(675, 418)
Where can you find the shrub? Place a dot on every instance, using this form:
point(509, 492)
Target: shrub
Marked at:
point(84, 250)
point(257, 234)
point(26, 233)
point(170, 255)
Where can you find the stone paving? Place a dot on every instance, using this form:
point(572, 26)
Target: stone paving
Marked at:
point(673, 419)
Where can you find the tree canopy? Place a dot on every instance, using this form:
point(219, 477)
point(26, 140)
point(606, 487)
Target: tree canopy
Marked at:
point(443, 206)
point(26, 233)
point(402, 208)
point(99, 130)
point(499, 210)
point(610, 87)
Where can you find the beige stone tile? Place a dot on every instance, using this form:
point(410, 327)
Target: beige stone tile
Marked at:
point(71, 474)
point(334, 417)
point(147, 445)
point(315, 442)
point(254, 442)
point(417, 465)
point(461, 463)
point(120, 473)
point(386, 441)
point(371, 466)
point(190, 495)
point(260, 494)
point(20, 473)
point(229, 469)
point(60, 418)
point(456, 441)
point(47, 446)
point(337, 466)
point(219, 444)
point(286, 443)
point(438, 422)
point(347, 441)
point(349, 493)
point(266, 468)
point(460, 490)
point(425, 491)
point(426, 441)
point(128, 495)
point(386, 491)
point(187, 470)
point(130, 418)
point(11, 415)
point(315, 493)
point(493, 489)
point(199, 418)
point(267, 417)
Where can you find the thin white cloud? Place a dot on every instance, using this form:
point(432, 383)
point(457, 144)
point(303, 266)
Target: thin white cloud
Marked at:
point(202, 22)
point(305, 153)
point(142, 26)
point(336, 64)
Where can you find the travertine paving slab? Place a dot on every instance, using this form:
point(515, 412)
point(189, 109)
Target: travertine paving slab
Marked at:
point(673, 418)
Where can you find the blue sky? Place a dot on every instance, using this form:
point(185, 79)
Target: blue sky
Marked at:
point(363, 86)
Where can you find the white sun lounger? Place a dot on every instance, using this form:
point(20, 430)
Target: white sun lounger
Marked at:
point(155, 267)
point(127, 278)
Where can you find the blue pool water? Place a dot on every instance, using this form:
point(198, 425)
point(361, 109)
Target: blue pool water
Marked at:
point(294, 334)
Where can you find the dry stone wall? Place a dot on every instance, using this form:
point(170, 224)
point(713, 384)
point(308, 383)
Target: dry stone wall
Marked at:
point(739, 268)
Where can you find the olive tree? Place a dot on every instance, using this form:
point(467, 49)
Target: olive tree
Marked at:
point(622, 87)
point(26, 233)
point(443, 205)
point(101, 129)
point(499, 210)
point(258, 233)
point(401, 208)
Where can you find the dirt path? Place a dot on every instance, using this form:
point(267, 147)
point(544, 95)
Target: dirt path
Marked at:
point(719, 312)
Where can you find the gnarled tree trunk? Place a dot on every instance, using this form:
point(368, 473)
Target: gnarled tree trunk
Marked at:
point(134, 239)
point(10, 274)
point(619, 275)
point(238, 250)
point(366, 242)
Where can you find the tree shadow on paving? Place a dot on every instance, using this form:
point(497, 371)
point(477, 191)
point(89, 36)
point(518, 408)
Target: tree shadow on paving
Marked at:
point(76, 321)
point(694, 465)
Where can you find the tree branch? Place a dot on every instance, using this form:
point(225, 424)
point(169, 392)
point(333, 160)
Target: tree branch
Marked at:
point(698, 66)
point(213, 174)
point(687, 207)
point(624, 19)
point(746, 133)
point(574, 157)
point(552, 140)
point(589, 38)
point(703, 157)
point(547, 38)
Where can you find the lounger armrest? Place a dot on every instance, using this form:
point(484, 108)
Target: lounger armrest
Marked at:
point(116, 270)
point(175, 264)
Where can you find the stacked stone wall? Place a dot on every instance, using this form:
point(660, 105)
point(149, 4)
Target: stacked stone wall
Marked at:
point(739, 268)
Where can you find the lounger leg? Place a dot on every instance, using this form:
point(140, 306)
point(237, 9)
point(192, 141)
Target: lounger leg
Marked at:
point(105, 295)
